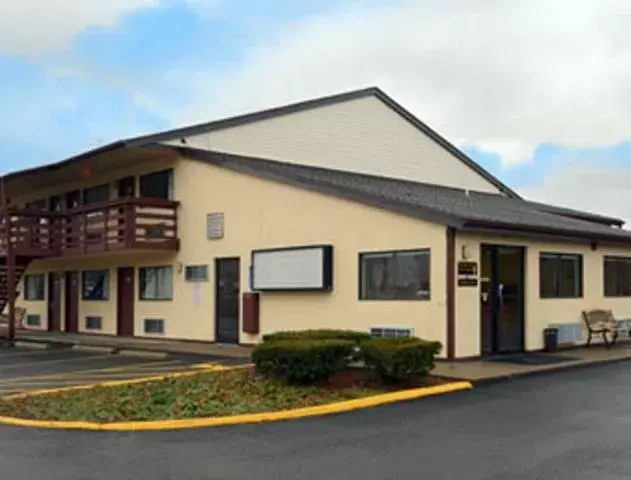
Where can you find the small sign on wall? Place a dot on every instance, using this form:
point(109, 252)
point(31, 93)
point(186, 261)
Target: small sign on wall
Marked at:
point(214, 225)
point(467, 274)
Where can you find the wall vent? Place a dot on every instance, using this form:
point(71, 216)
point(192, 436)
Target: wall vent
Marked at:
point(569, 332)
point(391, 332)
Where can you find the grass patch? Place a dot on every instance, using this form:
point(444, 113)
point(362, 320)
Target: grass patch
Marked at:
point(212, 394)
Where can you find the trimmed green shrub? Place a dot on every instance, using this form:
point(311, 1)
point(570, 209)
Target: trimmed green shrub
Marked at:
point(322, 334)
point(302, 360)
point(399, 359)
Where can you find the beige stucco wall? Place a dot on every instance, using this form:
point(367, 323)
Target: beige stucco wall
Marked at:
point(539, 313)
point(362, 135)
point(263, 214)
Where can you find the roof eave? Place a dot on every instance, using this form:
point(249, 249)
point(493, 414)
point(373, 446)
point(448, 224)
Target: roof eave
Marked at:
point(479, 226)
point(120, 144)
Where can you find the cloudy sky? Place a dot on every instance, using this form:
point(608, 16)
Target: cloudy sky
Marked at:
point(537, 91)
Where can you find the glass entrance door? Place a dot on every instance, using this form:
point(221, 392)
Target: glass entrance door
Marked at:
point(502, 299)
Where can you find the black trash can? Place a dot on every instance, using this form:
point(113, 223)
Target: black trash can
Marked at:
point(550, 339)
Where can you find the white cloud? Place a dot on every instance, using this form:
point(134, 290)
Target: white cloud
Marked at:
point(501, 75)
point(589, 187)
point(31, 27)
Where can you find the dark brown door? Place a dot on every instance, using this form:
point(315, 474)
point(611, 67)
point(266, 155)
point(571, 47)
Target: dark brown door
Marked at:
point(502, 302)
point(227, 295)
point(71, 304)
point(54, 302)
point(125, 302)
point(126, 187)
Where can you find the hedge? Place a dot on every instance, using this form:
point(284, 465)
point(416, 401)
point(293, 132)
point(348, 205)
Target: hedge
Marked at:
point(400, 358)
point(321, 334)
point(302, 360)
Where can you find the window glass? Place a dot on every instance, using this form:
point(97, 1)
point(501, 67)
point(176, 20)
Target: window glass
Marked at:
point(617, 277)
point(156, 283)
point(560, 275)
point(100, 194)
point(156, 185)
point(95, 285)
point(395, 275)
point(34, 287)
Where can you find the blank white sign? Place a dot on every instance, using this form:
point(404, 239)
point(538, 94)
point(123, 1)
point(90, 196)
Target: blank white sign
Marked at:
point(289, 269)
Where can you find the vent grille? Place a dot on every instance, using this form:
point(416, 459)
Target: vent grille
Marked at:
point(154, 325)
point(93, 323)
point(389, 332)
point(569, 332)
point(33, 320)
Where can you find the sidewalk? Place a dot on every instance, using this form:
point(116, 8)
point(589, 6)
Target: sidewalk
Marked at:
point(482, 371)
point(136, 344)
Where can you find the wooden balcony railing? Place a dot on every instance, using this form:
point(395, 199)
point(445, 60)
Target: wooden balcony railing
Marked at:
point(131, 223)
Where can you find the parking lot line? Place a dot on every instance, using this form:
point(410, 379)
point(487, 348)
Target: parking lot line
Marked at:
point(96, 376)
point(11, 353)
point(26, 378)
point(51, 362)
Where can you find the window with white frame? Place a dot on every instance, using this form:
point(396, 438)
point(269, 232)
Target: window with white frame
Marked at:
point(156, 283)
point(34, 287)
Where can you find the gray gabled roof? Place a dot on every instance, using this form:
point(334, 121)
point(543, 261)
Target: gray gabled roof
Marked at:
point(446, 205)
point(179, 133)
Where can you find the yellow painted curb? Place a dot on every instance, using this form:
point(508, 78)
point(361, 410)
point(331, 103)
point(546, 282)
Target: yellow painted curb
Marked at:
point(327, 409)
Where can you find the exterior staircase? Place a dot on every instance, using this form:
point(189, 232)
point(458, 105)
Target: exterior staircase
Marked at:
point(21, 265)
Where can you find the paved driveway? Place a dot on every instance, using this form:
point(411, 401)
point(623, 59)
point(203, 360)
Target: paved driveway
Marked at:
point(34, 369)
point(571, 425)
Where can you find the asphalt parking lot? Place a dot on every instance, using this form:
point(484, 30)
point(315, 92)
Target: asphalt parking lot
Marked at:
point(26, 369)
point(571, 425)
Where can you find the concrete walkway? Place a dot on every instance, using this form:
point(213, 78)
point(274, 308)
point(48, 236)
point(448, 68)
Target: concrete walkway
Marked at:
point(478, 371)
point(136, 344)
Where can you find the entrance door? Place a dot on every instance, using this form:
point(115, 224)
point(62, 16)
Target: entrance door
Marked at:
point(71, 304)
point(54, 302)
point(125, 302)
point(227, 295)
point(502, 299)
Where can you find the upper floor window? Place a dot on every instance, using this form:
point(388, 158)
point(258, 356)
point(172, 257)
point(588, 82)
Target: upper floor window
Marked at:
point(157, 185)
point(99, 194)
point(560, 275)
point(403, 275)
point(617, 276)
point(41, 204)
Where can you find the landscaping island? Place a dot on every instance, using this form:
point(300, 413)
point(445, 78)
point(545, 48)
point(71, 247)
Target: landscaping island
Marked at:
point(292, 370)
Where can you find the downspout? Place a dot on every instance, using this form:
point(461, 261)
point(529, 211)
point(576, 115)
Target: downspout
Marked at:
point(450, 297)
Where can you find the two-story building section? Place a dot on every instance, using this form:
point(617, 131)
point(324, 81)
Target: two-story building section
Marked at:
point(340, 212)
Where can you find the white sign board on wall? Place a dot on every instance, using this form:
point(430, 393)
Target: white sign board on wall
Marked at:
point(293, 268)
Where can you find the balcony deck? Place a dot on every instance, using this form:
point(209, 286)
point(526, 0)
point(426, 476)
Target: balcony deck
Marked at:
point(125, 224)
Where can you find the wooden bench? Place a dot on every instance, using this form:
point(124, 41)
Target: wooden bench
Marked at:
point(601, 322)
point(20, 317)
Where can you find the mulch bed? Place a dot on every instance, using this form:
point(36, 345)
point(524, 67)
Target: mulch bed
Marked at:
point(365, 378)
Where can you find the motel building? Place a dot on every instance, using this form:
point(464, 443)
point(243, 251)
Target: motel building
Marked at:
point(339, 212)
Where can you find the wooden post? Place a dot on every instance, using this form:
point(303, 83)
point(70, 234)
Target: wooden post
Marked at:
point(10, 262)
